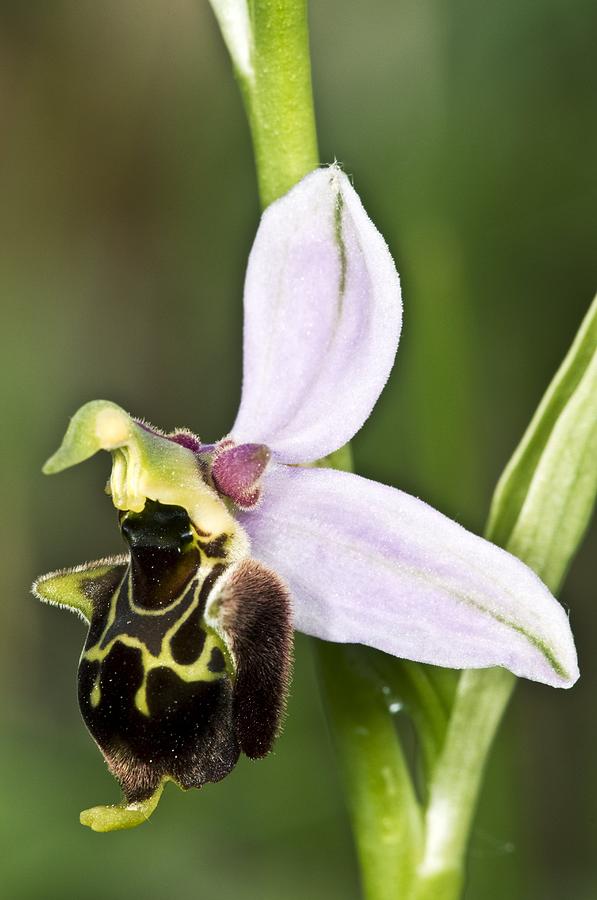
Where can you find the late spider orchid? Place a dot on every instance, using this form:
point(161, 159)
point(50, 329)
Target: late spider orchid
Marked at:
point(187, 659)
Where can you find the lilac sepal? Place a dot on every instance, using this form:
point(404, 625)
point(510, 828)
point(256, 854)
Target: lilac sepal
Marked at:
point(236, 472)
point(369, 564)
point(322, 321)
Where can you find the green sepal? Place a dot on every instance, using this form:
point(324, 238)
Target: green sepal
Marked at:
point(544, 500)
point(122, 816)
point(77, 588)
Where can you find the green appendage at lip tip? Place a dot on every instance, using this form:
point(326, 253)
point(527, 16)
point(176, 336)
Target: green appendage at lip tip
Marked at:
point(121, 816)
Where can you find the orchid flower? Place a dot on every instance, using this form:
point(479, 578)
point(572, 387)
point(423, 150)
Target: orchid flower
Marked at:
point(188, 654)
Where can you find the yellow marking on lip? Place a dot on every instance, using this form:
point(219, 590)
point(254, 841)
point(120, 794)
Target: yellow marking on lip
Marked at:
point(96, 693)
point(141, 699)
point(196, 671)
point(193, 672)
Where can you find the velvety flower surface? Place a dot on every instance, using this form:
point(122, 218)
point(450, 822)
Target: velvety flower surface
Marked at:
point(188, 654)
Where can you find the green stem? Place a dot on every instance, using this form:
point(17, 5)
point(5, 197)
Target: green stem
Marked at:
point(412, 684)
point(278, 96)
point(480, 701)
point(386, 816)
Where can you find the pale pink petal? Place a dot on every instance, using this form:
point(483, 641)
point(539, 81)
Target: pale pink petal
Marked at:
point(369, 564)
point(322, 321)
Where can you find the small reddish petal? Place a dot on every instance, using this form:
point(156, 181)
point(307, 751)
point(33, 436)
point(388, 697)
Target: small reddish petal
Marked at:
point(236, 472)
point(187, 439)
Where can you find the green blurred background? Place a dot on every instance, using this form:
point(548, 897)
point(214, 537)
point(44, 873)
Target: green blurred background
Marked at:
point(128, 206)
